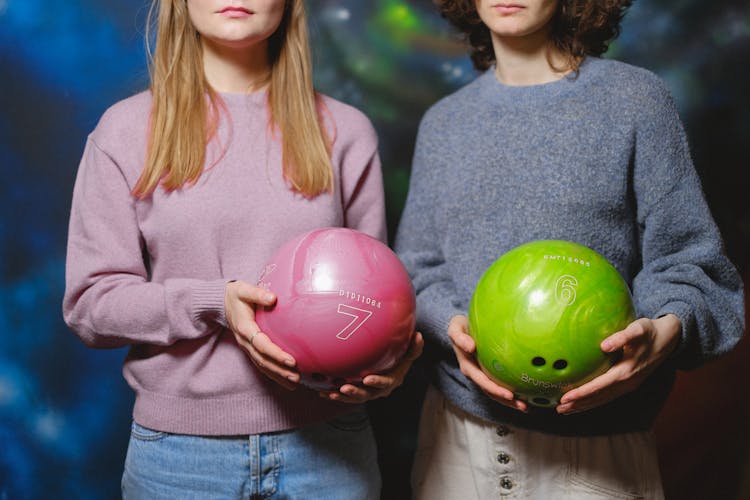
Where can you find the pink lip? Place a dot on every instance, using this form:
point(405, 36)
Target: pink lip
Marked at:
point(507, 8)
point(235, 11)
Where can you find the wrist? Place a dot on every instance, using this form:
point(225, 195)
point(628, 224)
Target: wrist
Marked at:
point(228, 289)
point(669, 329)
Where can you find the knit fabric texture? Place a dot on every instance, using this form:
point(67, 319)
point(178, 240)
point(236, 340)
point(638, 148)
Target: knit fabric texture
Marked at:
point(598, 157)
point(151, 273)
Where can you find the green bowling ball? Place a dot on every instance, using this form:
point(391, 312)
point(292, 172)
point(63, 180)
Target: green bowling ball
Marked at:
point(539, 314)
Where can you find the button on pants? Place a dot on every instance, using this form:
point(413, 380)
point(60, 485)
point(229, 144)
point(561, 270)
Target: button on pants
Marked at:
point(461, 457)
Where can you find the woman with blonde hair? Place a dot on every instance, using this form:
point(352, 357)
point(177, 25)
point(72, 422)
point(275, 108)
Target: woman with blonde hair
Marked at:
point(183, 193)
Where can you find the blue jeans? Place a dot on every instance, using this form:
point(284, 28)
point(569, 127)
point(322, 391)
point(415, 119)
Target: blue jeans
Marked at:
point(336, 459)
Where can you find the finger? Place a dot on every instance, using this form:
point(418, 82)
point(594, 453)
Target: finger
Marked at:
point(395, 376)
point(357, 396)
point(601, 390)
point(416, 347)
point(268, 366)
point(380, 381)
point(255, 294)
point(634, 331)
point(459, 321)
point(278, 373)
point(458, 324)
point(458, 332)
point(288, 380)
point(374, 386)
point(591, 401)
point(264, 345)
point(464, 341)
point(498, 393)
point(378, 385)
point(610, 378)
point(521, 406)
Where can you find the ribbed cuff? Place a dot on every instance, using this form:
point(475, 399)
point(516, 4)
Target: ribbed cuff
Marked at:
point(687, 324)
point(208, 301)
point(438, 325)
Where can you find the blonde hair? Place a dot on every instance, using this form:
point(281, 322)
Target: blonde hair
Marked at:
point(184, 120)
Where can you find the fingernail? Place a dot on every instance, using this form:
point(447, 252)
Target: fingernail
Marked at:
point(269, 297)
point(289, 361)
point(567, 409)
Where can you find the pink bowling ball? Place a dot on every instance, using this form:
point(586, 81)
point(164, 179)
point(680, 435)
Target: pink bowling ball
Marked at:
point(344, 309)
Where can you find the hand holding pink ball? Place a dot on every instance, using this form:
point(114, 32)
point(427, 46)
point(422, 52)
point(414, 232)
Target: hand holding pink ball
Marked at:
point(345, 306)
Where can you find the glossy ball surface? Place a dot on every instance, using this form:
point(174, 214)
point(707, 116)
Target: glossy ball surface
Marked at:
point(345, 306)
point(539, 314)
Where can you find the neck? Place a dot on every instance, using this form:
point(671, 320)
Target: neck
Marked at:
point(236, 70)
point(527, 60)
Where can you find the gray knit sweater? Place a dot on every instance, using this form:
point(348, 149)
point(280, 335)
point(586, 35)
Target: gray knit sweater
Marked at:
point(599, 158)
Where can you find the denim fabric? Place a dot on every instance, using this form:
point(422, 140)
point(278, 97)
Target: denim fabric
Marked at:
point(334, 460)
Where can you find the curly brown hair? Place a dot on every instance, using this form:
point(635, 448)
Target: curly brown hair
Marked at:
point(579, 28)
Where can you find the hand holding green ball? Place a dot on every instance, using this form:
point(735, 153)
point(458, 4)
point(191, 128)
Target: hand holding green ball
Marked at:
point(539, 314)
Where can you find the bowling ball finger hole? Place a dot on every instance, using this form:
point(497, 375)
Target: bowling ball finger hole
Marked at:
point(318, 377)
point(539, 401)
point(538, 361)
point(560, 364)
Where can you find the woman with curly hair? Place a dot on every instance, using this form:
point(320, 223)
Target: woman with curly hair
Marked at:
point(553, 142)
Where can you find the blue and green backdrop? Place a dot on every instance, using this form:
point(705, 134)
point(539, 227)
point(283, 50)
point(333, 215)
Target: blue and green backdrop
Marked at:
point(64, 409)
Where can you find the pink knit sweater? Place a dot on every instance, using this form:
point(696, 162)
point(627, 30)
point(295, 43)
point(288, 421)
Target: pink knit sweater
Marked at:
point(151, 274)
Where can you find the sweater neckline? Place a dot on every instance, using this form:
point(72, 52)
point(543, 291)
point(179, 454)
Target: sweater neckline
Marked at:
point(232, 99)
point(496, 89)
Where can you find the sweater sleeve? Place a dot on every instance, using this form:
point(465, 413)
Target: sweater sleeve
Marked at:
point(362, 181)
point(419, 246)
point(685, 269)
point(109, 299)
